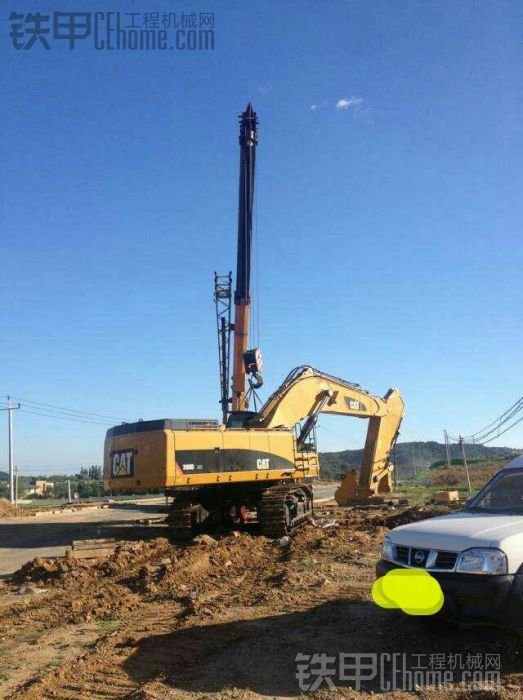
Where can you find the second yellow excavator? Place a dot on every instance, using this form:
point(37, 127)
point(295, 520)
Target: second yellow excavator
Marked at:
point(263, 461)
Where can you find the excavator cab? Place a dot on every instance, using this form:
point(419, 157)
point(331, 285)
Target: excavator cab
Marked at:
point(240, 419)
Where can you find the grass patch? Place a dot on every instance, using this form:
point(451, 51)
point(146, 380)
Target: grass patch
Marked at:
point(110, 625)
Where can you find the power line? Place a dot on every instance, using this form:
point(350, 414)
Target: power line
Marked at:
point(503, 432)
point(494, 428)
point(86, 463)
point(65, 417)
point(479, 435)
point(515, 406)
point(55, 470)
point(75, 411)
point(507, 416)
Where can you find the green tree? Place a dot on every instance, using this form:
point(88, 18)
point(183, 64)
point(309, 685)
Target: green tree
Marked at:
point(60, 489)
point(89, 487)
point(95, 472)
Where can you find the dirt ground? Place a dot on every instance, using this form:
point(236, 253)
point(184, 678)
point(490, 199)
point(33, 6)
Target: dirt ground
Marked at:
point(221, 617)
point(48, 533)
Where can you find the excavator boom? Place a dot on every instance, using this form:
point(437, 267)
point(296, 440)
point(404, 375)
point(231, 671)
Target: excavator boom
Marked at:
point(307, 392)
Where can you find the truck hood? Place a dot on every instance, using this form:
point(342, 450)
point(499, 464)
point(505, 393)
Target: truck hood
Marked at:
point(461, 531)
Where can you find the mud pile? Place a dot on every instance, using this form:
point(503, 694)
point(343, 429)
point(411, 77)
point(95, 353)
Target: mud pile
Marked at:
point(207, 575)
point(161, 564)
point(6, 509)
point(61, 571)
point(367, 519)
point(412, 515)
point(200, 578)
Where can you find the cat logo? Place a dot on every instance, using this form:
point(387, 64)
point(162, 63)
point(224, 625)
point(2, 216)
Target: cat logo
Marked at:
point(354, 404)
point(122, 464)
point(262, 463)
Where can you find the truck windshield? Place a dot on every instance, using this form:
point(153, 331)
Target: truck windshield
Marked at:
point(504, 494)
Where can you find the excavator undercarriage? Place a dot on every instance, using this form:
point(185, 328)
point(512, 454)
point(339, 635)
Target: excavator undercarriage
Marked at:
point(279, 509)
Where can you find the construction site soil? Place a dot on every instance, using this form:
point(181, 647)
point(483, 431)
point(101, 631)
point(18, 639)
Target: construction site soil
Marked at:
point(7, 510)
point(222, 617)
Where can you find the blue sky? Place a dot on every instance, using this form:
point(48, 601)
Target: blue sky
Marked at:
point(388, 213)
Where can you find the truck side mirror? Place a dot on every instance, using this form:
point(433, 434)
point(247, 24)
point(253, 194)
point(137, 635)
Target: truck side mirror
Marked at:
point(469, 501)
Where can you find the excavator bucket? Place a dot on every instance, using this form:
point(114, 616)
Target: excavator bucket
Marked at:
point(349, 492)
point(347, 488)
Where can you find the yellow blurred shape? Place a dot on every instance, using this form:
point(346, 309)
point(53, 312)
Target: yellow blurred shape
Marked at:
point(379, 596)
point(415, 591)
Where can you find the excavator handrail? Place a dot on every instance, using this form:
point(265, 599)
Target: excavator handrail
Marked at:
point(301, 369)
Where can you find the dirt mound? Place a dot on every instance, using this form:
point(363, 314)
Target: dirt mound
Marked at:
point(161, 565)
point(40, 570)
point(199, 578)
point(203, 577)
point(9, 511)
point(61, 571)
point(412, 515)
point(6, 509)
point(368, 519)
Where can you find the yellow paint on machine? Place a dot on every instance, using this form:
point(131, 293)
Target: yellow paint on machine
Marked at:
point(153, 463)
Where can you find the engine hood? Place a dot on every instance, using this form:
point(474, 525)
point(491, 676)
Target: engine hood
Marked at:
point(461, 531)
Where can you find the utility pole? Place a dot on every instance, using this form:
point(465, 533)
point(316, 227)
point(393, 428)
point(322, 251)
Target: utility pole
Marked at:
point(462, 443)
point(69, 490)
point(10, 408)
point(447, 449)
point(413, 460)
point(16, 485)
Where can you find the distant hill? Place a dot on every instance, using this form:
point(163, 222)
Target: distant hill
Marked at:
point(410, 457)
point(4, 476)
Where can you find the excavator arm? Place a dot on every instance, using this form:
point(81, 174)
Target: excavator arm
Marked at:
point(307, 392)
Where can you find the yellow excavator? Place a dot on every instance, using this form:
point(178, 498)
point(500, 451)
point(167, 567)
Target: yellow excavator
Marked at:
point(260, 462)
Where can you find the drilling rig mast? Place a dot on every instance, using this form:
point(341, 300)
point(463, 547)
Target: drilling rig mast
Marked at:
point(246, 363)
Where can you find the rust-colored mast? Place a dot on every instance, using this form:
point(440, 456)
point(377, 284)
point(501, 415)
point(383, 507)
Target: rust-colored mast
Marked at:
point(242, 296)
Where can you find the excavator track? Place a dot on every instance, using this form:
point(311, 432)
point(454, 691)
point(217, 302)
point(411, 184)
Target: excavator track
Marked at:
point(180, 520)
point(284, 508)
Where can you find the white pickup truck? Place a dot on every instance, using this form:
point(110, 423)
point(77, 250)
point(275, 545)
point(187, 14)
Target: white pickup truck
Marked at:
point(476, 555)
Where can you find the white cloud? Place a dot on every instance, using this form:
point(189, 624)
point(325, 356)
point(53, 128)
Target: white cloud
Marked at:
point(346, 102)
point(264, 88)
point(356, 104)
